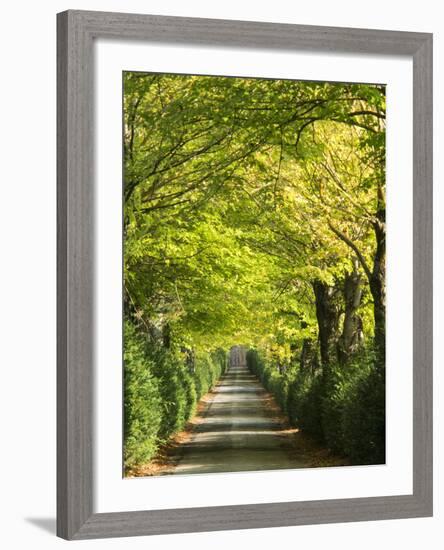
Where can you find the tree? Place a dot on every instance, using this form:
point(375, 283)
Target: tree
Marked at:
point(254, 211)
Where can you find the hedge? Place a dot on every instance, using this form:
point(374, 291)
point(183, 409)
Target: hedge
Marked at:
point(342, 406)
point(160, 392)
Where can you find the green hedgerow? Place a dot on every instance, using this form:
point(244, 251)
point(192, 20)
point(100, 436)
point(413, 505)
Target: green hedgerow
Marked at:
point(160, 391)
point(340, 405)
point(142, 401)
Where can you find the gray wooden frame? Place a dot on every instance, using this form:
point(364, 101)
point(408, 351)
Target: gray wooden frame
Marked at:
point(76, 32)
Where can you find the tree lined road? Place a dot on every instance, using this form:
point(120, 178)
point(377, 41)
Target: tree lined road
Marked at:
point(254, 212)
point(237, 431)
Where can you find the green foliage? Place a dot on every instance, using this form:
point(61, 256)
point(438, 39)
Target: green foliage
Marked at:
point(230, 191)
point(142, 401)
point(342, 406)
point(177, 391)
point(208, 369)
point(305, 403)
point(275, 382)
point(161, 392)
point(363, 419)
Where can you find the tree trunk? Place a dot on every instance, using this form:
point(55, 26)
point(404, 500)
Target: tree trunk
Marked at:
point(327, 314)
point(352, 331)
point(376, 275)
point(166, 335)
point(309, 355)
point(377, 285)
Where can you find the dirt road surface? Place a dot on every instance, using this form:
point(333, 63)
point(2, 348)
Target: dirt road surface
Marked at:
point(237, 431)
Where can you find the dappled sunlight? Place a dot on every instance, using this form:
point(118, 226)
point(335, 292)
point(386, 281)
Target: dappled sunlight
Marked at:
point(236, 429)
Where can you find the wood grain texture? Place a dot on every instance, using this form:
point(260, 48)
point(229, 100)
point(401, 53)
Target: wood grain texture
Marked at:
point(423, 273)
point(226, 33)
point(75, 277)
point(62, 294)
point(223, 518)
point(75, 271)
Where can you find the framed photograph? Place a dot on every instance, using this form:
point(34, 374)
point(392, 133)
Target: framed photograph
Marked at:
point(244, 275)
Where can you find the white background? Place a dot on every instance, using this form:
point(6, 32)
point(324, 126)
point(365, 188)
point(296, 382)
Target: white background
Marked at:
point(28, 271)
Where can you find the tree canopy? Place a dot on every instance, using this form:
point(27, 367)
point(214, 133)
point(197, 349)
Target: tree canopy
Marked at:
point(242, 196)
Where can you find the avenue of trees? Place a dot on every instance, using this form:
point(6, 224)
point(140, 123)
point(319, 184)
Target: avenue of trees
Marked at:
point(254, 214)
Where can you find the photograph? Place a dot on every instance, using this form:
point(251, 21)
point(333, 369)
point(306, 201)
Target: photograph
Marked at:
point(221, 244)
point(254, 291)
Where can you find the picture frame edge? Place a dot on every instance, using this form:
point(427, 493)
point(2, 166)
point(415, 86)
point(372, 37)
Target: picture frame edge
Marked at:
point(76, 30)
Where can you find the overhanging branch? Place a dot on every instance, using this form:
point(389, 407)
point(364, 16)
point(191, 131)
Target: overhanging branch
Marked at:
point(355, 249)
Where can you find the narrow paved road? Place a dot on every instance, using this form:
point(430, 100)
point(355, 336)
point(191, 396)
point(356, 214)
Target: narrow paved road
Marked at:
point(237, 431)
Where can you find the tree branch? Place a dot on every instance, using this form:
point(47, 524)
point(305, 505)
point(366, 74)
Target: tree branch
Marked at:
point(355, 249)
point(364, 112)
